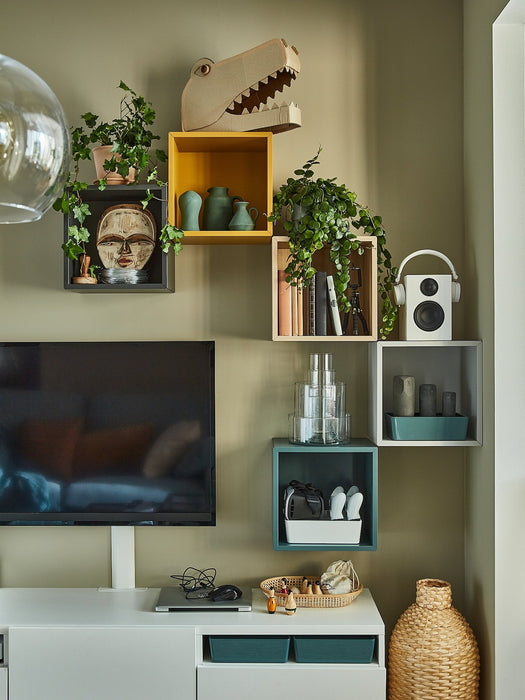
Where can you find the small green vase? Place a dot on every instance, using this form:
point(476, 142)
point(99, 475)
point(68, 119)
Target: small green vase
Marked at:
point(242, 220)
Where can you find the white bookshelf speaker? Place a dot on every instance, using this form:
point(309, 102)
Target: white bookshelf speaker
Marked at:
point(425, 301)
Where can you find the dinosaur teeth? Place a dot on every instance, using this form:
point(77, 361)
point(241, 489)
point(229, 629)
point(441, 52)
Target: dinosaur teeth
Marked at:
point(273, 75)
point(265, 80)
point(255, 86)
point(238, 98)
point(231, 105)
point(245, 111)
point(246, 93)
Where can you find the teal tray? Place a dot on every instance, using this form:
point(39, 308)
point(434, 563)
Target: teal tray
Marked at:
point(427, 427)
point(266, 649)
point(337, 649)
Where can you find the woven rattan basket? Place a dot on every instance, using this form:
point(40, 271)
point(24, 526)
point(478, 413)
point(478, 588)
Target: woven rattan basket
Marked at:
point(326, 600)
point(433, 653)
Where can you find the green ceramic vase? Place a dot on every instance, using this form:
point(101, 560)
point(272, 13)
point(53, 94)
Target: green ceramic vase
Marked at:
point(218, 209)
point(243, 220)
point(190, 206)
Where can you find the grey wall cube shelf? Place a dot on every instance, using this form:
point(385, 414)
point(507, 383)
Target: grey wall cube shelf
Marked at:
point(452, 365)
point(160, 266)
point(326, 468)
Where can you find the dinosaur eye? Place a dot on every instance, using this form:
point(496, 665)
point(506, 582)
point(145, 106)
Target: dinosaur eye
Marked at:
point(203, 70)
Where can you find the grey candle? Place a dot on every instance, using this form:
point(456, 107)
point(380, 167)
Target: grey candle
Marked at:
point(404, 395)
point(427, 400)
point(449, 403)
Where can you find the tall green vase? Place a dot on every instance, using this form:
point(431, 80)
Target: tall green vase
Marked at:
point(218, 209)
point(190, 206)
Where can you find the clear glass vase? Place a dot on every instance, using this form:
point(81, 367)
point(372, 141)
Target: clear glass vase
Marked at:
point(319, 416)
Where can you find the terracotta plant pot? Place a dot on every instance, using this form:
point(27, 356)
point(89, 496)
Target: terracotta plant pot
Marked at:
point(100, 155)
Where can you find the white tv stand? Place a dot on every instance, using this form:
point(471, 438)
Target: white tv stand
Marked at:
point(65, 643)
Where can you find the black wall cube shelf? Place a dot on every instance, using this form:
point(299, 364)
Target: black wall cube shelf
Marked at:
point(160, 266)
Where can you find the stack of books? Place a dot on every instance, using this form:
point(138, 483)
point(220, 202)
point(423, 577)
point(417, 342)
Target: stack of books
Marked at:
point(311, 310)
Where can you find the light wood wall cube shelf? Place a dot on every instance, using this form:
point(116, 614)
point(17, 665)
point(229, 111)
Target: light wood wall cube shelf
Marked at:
point(241, 161)
point(367, 293)
point(452, 365)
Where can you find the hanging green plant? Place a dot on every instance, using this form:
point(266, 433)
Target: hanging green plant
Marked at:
point(319, 212)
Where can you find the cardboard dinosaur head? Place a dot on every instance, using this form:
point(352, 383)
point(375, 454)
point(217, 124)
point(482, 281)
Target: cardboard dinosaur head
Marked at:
point(232, 95)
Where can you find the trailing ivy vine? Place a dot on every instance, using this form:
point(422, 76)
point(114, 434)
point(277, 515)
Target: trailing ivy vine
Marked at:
point(318, 213)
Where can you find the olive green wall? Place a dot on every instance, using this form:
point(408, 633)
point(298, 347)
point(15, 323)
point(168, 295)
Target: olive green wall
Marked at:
point(490, 561)
point(381, 90)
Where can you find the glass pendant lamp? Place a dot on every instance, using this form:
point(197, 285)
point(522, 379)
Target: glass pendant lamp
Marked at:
point(34, 144)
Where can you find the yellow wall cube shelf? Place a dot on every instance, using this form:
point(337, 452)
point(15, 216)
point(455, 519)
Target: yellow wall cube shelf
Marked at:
point(241, 161)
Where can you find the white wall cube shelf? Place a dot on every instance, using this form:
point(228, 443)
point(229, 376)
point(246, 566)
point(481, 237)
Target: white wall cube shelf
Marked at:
point(452, 365)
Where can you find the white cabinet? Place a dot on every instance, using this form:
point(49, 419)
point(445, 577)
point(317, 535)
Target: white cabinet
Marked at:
point(84, 644)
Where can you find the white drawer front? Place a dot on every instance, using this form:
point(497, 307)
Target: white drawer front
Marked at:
point(3, 682)
point(282, 681)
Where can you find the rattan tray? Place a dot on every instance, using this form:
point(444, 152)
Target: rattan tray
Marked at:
point(327, 600)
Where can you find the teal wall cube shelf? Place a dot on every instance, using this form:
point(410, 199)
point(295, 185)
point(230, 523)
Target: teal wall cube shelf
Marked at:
point(326, 467)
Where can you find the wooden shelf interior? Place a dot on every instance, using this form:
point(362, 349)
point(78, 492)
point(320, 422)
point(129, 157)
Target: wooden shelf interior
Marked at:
point(450, 365)
point(326, 468)
point(240, 161)
point(367, 293)
point(160, 266)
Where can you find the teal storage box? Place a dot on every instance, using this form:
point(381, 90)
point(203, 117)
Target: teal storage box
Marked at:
point(318, 649)
point(427, 427)
point(267, 649)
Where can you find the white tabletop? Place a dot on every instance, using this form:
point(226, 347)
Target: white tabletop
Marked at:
point(77, 607)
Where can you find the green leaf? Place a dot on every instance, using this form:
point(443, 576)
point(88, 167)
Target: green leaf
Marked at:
point(90, 119)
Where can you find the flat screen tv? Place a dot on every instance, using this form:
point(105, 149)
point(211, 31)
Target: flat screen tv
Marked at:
point(107, 433)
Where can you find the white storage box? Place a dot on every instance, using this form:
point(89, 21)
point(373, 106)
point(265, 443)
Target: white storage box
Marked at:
point(323, 531)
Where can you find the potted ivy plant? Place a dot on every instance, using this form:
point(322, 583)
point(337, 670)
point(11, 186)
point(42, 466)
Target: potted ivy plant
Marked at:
point(319, 212)
point(127, 140)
